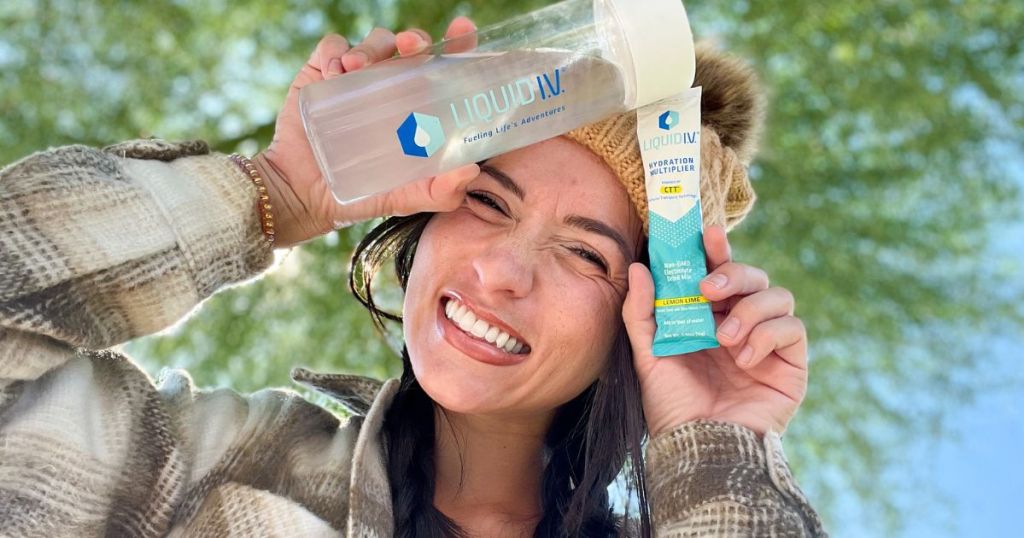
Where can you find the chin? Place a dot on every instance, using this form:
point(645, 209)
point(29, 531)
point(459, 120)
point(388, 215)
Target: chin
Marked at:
point(458, 388)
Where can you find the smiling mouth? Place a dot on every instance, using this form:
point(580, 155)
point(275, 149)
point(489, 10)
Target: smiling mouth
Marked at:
point(468, 322)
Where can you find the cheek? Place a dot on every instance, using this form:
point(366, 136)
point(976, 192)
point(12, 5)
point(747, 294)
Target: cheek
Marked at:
point(415, 311)
point(435, 245)
point(583, 328)
point(436, 250)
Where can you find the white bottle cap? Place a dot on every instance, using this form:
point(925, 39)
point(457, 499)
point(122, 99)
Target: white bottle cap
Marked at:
point(660, 43)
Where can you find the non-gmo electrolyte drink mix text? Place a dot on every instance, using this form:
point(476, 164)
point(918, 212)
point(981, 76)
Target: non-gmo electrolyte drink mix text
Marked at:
point(528, 79)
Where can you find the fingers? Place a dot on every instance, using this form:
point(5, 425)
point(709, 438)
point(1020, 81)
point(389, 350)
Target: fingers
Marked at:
point(447, 191)
point(716, 246)
point(412, 41)
point(443, 192)
point(752, 310)
point(786, 336)
point(333, 56)
point(379, 45)
point(638, 308)
point(732, 280)
point(326, 57)
point(461, 35)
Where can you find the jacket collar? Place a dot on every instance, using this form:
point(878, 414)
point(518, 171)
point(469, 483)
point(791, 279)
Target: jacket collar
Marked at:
point(354, 392)
point(368, 399)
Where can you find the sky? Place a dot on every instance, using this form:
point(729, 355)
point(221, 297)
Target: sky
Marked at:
point(978, 470)
point(982, 472)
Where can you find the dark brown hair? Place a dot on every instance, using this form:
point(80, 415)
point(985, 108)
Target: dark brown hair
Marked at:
point(588, 444)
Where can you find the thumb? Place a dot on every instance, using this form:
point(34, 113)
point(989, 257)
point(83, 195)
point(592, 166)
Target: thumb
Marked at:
point(448, 190)
point(443, 192)
point(638, 308)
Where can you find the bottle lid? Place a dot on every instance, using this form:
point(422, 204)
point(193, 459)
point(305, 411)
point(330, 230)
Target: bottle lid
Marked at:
point(660, 45)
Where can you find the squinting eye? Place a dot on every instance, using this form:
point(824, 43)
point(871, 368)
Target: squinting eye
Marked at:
point(590, 256)
point(586, 254)
point(486, 200)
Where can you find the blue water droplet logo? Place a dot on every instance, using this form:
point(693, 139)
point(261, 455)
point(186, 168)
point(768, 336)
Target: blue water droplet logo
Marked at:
point(420, 135)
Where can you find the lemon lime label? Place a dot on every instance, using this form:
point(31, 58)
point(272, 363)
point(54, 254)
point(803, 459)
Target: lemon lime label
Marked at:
point(674, 301)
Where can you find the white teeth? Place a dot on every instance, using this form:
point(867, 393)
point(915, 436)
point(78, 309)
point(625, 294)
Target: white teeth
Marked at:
point(467, 321)
point(464, 318)
point(479, 328)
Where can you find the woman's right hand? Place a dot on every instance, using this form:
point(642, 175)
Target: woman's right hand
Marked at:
point(303, 205)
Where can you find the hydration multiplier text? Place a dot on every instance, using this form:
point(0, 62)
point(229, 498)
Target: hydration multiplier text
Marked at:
point(672, 166)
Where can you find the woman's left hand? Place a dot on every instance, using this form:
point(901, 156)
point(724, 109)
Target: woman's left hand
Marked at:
point(756, 379)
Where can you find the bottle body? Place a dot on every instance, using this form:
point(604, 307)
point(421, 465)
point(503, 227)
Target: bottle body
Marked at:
point(529, 79)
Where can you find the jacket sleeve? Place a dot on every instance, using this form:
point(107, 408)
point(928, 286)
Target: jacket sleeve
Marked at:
point(710, 478)
point(98, 247)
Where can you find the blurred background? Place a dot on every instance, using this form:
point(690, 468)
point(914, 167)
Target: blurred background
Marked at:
point(890, 203)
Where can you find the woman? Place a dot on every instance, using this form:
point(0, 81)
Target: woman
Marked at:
point(101, 246)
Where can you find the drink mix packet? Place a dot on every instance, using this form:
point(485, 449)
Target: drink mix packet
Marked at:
point(669, 136)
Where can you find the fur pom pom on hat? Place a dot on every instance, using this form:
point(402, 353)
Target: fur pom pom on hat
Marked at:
point(732, 112)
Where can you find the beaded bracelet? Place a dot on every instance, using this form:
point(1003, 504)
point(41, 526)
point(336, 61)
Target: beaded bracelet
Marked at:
point(266, 218)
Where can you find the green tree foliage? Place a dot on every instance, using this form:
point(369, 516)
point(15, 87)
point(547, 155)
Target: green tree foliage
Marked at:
point(880, 186)
point(880, 183)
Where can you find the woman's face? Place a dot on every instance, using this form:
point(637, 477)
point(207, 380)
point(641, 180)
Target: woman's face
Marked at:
point(539, 252)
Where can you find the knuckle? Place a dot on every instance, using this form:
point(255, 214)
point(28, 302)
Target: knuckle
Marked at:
point(752, 277)
point(380, 33)
point(379, 43)
point(761, 337)
point(743, 309)
point(784, 294)
point(730, 269)
point(797, 323)
point(757, 274)
point(333, 42)
point(800, 327)
point(332, 38)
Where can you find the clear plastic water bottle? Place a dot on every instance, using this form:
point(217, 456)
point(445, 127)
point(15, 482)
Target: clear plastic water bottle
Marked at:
point(528, 79)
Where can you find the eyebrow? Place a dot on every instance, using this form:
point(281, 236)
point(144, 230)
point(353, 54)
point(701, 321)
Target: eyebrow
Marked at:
point(586, 224)
point(504, 180)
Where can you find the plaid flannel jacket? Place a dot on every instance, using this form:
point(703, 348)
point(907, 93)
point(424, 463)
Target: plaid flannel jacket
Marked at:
point(101, 246)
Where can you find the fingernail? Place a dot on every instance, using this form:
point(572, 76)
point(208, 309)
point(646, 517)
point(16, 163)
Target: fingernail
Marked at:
point(420, 42)
point(355, 60)
point(334, 67)
point(729, 328)
point(745, 355)
point(718, 280)
point(400, 36)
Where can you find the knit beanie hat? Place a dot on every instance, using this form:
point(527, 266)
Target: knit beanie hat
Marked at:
point(731, 119)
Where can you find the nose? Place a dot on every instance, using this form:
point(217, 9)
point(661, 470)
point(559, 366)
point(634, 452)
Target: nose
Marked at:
point(505, 267)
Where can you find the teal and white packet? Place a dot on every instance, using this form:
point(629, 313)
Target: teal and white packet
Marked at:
point(669, 136)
